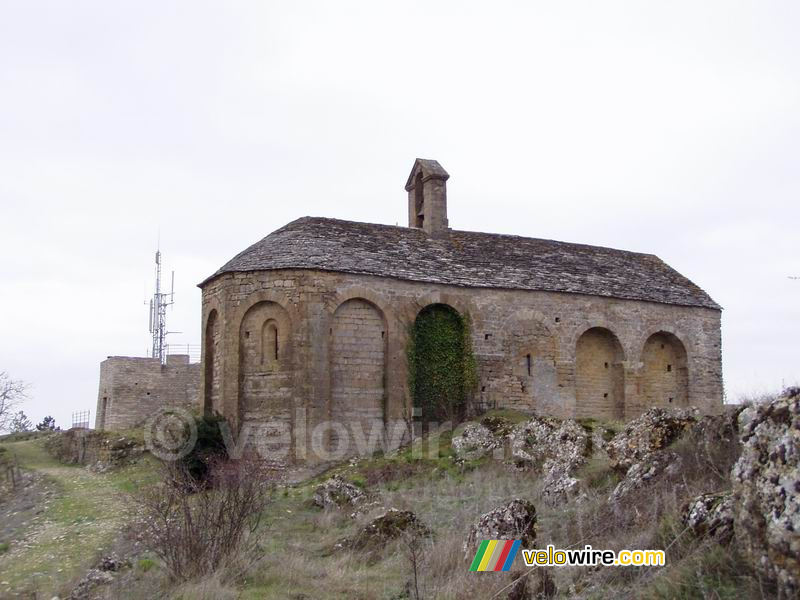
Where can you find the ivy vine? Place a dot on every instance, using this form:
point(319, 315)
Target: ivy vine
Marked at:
point(442, 369)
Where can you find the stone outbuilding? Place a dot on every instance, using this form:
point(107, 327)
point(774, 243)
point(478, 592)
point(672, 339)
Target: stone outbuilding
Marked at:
point(311, 324)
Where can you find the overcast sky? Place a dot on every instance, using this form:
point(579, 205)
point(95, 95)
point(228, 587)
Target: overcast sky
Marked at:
point(663, 127)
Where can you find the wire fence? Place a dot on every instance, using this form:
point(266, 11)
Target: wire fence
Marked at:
point(80, 419)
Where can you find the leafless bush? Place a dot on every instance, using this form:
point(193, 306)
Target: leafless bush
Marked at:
point(202, 528)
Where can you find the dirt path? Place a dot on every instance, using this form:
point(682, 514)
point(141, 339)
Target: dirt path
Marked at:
point(59, 524)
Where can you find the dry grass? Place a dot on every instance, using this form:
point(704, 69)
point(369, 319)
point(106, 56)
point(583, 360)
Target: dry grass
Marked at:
point(301, 562)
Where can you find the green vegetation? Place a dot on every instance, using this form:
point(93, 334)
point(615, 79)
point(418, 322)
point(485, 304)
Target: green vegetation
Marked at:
point(65, 538)
point(301, 555)
point(442, 368)
point(209, 446)
point(145, 564)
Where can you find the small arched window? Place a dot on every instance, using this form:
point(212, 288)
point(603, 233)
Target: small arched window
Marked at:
point(269, 343)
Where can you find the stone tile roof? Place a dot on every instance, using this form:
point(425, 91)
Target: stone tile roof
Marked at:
point(470, 259)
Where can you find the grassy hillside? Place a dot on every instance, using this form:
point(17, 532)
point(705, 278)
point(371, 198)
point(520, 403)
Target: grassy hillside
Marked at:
point(85, 515)
point(72, 516)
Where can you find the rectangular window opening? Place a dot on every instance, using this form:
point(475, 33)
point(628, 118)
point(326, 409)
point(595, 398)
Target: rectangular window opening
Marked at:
point(529, 363)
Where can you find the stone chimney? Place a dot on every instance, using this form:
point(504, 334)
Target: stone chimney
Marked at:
point(427, 197)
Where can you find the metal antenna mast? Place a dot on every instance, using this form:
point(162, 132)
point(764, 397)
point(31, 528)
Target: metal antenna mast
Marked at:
point(158, 312)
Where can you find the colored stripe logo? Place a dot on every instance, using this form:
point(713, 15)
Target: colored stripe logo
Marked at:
point(495, 555)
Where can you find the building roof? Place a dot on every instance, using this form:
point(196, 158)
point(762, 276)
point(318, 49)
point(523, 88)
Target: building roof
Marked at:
point(468, 259)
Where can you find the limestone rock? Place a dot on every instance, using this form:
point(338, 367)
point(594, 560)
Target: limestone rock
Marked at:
point(766, 490)
point(389, 526)
point(652, 431)
point(643, 472)
point(499, 426)
point(113, 563)
point(513, 521)
point(556, 447)
point(337, 493)
point(711, 515)
point(600, 437)
point(475, 438)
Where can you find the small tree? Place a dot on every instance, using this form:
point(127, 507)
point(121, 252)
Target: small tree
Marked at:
point(20, 422)
point(48, 424)
point(12, 393)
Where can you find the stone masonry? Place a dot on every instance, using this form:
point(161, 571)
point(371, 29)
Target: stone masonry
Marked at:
point(132, 389)
point(311, 323)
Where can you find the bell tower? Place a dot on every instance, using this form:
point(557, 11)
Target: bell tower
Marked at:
point(427, 197)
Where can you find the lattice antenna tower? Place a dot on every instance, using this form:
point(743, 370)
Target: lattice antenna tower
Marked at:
point(158, 312)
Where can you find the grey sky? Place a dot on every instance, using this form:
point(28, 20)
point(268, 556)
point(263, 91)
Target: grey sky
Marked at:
point(671, 128)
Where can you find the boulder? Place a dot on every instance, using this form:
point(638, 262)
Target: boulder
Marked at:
point(558, 485)
point(338, 493)
point(391, 525)
point(766, 490)
point(113, 563)
point(100, 575)
point(652, 431)
point(643, 472)
point(553, 446)
point(710, 515)
point(499, 426)
point(475, 441)
point(513, 521)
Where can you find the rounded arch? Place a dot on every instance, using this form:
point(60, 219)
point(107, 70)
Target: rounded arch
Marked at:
point(358, 343)
point(438, 360)
point(265, 388)
point(212, 364)
point(262, 296)
point(599, 375)
point(270, 342)
point(665, 371)
point(361, 293)
point(457, 303)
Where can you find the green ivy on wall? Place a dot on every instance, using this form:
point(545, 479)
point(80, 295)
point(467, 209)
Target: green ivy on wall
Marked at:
point(442, 369)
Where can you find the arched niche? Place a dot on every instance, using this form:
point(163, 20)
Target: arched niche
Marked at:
point(212, 365)
point(665, 372)
point(358, 369)
point(599, 375)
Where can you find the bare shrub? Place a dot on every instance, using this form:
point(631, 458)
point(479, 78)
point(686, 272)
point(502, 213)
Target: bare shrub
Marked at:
point(198, 529)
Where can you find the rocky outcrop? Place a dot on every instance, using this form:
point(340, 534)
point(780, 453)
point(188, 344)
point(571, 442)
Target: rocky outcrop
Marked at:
point(338, 493)
point(499, 426)
point(101, 575)
point(710, 515)
point(645, 471)
point(389, 526)
point(554, 447)
point(546, 445)
point(475, 440)
point(513, 521)
point(766, 490)
point(652, 431)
